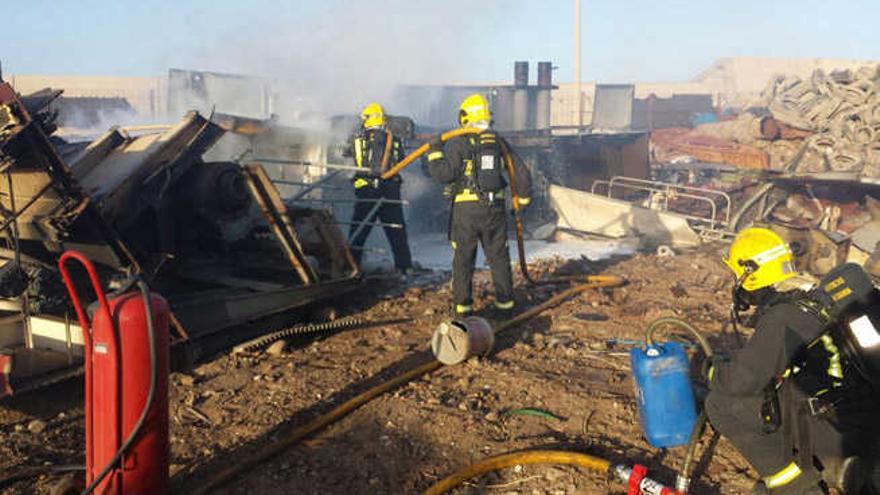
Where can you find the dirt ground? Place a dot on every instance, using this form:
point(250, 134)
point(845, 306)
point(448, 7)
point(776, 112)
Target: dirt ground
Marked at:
point(561, 362)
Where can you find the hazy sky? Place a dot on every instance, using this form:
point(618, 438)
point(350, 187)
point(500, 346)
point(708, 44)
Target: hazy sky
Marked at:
point(420, 40)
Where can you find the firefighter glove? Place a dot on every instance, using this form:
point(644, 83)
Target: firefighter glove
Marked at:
point(435, 148)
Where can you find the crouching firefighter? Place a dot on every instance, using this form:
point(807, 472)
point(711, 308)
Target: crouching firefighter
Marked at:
point(473, 168)
point(375, 150)
point(798, 399)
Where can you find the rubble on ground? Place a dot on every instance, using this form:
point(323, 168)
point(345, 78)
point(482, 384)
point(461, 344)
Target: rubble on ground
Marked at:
point(566, 362)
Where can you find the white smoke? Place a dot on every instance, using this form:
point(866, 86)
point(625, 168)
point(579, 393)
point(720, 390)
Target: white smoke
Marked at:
point(350, 53)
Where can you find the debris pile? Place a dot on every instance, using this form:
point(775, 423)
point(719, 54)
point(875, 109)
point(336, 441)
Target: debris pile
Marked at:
point(842, 109)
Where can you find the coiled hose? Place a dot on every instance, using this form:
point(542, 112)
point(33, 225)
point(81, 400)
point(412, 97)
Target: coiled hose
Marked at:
point(296, 435)
point(683, 478)
point(310, 328)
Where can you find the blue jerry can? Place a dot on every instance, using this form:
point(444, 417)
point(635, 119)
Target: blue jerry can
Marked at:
point(663, 391)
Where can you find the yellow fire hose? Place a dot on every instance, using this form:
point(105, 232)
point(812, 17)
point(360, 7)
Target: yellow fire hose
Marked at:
point(517, 458)
point(421, 150)
point(295, 436)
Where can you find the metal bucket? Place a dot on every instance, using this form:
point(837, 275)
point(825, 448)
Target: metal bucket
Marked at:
point(456, 341)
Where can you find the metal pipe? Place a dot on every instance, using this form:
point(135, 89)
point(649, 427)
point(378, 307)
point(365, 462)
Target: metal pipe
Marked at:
point(311, 185)
point(704, 190)
point(302, 163)
point(577, 63)
point(367, 218)
point(369, 249)
point(659, 187)
point(373, 224)
point(320, 181)
point(366, 200)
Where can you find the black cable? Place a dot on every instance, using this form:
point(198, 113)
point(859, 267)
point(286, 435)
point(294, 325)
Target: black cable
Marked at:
point(154, 378)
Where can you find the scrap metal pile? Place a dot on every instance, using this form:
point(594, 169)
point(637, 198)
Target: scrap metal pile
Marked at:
point(827, 124)
point(842, 109)
point(215, 238)
point(804, 160)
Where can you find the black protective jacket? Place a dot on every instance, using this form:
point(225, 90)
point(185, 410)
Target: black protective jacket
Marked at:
point(375, 151)
point(784, 331)
point(450, 167)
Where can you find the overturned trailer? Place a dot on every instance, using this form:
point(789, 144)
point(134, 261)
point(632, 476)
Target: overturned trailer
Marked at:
point(215, 238)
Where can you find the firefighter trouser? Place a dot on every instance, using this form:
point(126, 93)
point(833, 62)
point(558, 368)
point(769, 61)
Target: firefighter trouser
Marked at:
point(473, 222)
point(739, 419)
point(390, 213)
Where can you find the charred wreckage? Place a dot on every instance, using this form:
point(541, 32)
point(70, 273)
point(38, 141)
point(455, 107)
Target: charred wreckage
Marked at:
point(215, 238)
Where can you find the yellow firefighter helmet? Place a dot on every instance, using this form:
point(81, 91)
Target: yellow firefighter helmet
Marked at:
point(474, 109)
point(372, 116)
point(764, 254)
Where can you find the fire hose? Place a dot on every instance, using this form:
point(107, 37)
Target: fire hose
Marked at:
point(337, 413)
point(634, 476)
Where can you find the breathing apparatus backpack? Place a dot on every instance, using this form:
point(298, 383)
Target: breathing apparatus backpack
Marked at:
point(848, 302)
point(485, 175)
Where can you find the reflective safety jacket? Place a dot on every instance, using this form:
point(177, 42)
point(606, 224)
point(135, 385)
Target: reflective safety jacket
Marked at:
point(457, 164)
point(375, 151)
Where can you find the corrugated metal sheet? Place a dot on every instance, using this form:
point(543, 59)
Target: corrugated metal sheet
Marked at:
point(613, 107)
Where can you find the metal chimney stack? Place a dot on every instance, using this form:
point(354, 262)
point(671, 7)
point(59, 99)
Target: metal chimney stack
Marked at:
point(542, 100)
point(520, 96)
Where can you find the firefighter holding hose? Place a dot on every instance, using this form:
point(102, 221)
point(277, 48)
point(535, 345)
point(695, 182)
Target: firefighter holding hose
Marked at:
point(791, 401)
point(473, 169)
point(375, 149)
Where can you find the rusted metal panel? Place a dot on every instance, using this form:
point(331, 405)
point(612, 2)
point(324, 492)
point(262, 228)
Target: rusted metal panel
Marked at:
point(709, 148)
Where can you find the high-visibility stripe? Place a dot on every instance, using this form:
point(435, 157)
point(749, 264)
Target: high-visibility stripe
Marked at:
point(783, 477)
point(359, 152)
point(770, 254)
point(504, 305)
point(463, 308)
point(834, 284)
point(435, 155)
point(834, 368)
point(524, 201)
point(468, 195)
point(837, 296)
point(453, 244)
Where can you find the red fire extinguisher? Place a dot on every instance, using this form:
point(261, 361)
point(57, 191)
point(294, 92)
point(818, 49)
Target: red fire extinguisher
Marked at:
point(126, 386)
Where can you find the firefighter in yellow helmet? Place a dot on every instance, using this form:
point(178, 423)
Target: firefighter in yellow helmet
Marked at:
point(473, 168)
point(770, 397)
point(375, 149)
